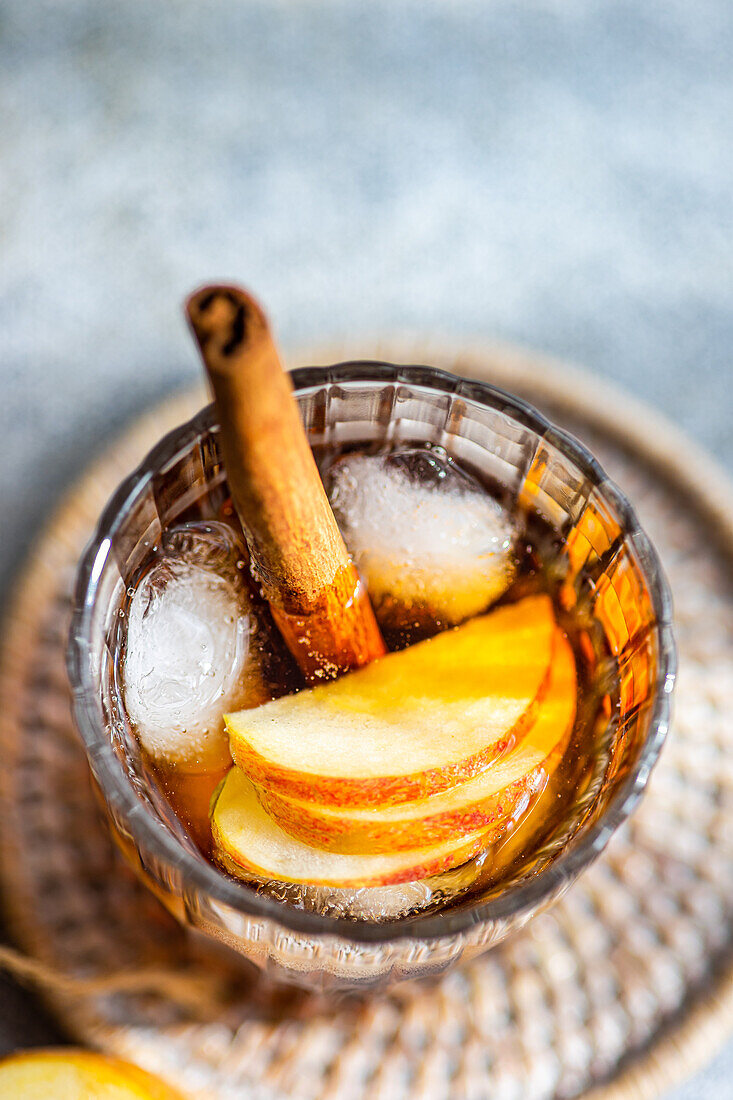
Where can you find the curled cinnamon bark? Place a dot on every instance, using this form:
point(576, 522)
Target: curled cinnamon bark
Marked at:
point(298, 554)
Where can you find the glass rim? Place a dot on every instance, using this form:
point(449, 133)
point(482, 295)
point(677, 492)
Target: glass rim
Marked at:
point(146, 828)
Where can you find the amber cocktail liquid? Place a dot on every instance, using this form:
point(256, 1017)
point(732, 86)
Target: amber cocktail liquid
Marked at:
point(511, 696)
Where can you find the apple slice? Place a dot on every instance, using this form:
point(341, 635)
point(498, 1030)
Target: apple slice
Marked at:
point(409, 724)
point(68, 1074)
point(249, 840)
point(488, 801)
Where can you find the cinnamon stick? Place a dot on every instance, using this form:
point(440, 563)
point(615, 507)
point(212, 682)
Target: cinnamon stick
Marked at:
point(297, 552)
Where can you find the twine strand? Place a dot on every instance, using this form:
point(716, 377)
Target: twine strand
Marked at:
point(193, 992)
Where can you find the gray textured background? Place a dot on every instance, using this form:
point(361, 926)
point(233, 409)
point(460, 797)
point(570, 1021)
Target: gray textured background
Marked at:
point(556, 173)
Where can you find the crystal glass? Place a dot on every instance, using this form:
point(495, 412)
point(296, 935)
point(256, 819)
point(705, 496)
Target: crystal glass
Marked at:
point(611, 573)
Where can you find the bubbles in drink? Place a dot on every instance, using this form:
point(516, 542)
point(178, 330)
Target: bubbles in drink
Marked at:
point(189, 653)
point(428, 540)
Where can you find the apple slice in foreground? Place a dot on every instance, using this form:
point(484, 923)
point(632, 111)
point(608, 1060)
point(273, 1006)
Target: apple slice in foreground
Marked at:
point(252, 841)
point(68, 1074)
point(488, 801)
point(409, 724)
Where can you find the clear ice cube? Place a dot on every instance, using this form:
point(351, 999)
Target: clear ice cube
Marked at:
point(367, 903)
point(422, 532)
point(188, 651)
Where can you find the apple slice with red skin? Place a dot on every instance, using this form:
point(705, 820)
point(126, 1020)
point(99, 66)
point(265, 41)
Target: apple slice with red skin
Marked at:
point(247, 840)
point(488, 801)
point(410, 724)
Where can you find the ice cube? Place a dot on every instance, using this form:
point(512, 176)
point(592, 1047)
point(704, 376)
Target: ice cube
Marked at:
point(211, 545)
point(423, 534)
point(188, 656)
point(368, 903)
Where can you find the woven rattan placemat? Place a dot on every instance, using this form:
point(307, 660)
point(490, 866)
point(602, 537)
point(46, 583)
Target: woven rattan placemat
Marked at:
point(625, 986)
